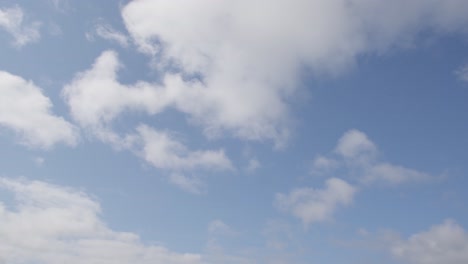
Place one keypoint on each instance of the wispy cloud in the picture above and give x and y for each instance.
(12, 21)
(462, 73)
(107, 32)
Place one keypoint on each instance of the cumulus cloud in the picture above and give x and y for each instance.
(317, 205)
(162, 151)
(445, 243)
(107, 32)
(25, 110)
(358, 156)
(248, 57)
(12, 21)
(96, 98)
(54, 225)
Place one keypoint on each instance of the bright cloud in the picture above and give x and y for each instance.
(317, 205)
(250, 57)
(358, 155)
(162, 151)
(444, 243)
(96, 98)
(54, 225)
(12, 21)
(26, 111)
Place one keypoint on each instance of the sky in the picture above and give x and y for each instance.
(217, 131)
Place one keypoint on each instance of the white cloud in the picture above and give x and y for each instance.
(355, 145)
(12, 21)
(462, 73)
(96, 99)
(25, 110)
(358, 156)
(107, 32)
(317, 205)
(250, 57)
(54, 225)
(159, 149)
(445, 243)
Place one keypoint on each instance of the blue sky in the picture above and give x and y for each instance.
(302, 131)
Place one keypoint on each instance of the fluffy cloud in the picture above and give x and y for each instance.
(96, 99)
(54, 225)
(358, 155)
(25, 110)
(12, 21)
(248, 57)
(444, 243)
(163, 152)
(317, 205)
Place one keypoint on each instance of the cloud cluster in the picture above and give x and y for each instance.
(317, 205)
(358, 156)
(49, 224)
(25, 110)
(12, 21)
(444, 243)
(247, 57)
(96, 98)
(358, 161)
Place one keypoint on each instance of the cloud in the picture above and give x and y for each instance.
(163, 152)
(317, 205)
(219, 228)
(358, 157)
(355, 145)
(107, 32)
(96, 99)
(248, 59)
(25, 110)
(462, 73)
(12, 21)
(67, 228)
(445, 243)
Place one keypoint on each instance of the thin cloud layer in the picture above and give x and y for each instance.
(358, 157)
(12, 21)
(317, 205)
(444, 243)
(50, 224)
(248, 57)
(26, 111)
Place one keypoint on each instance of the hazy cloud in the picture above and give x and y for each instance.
(12, 21)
